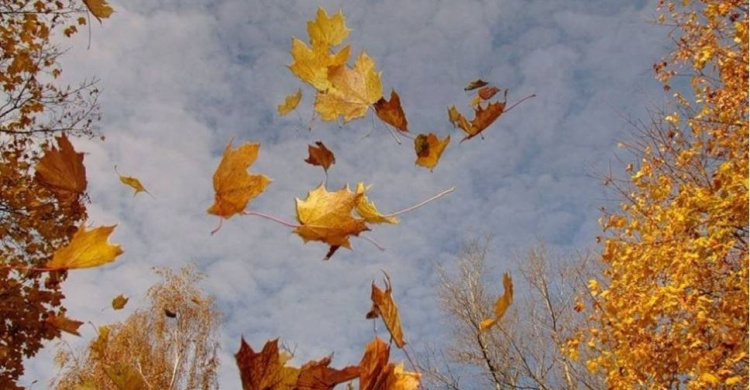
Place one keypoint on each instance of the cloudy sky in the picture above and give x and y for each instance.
(180, 78)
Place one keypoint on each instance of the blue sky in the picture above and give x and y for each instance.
(180, 78)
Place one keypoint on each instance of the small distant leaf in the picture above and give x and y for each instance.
(391, 112)
(475, 101)
(290, 103)
(99, 8)
(119, 302)
(502, 304)
(132, 182)
(320, 155)
(233, 185)
(170, 313)
(64, 324)
(474, 84)
(429, 148)
(86, 249)
(488, 92)
(385, 307)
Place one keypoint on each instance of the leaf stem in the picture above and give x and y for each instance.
(521, 101)
(418, 205)
(272, 218)
(373, 242)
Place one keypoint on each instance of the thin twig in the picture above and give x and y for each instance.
(406, 210)
(272, 218)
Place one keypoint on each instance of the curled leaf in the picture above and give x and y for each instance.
(119, 302)
(99, 8)
(320, 155)
(233, 185)
(367, 209)
(488, 92)
(132, 182)
(290, 103)
(385, 307)
(474, 84)
(483, 117)
(502, 304)
(86, 249)
(391, 112)
(64, 324)
(429, 148)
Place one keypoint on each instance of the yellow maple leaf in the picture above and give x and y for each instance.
(86, 249)
(327, 217)
(398, 379)
(429, 148)
(311, 64)
(385, 307)
(290, 103)
(133, 183)
(367, 209)
(234, 186)
(352, 91)
(99, 8)
(502, 304)
(325, 31)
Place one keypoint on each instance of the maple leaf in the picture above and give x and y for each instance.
(86, 249)
(119, 302)
(311, 65)
(486, 93)
(264, 370)
(133, 183)
(373, 368)
(327, 217)
(483, 117)
(290, 103)
(234, 186)
(99, 8)
(62, 171)
(325, 31)
(64, 324)
(385, 307)
(320, 155)
(398, 379)
(474, 84)
(391, 112)
(502, 304)
(352, 91)
(318, 376)
(429, 148)
(367, 209)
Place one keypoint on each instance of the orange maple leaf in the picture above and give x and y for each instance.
(398, 379)
(316, 375)
(483, 117)
(62, 171)
(86, 249)
(290, 103)
(385, 307)
(353, 90)
(264, 370)
(486, 93)
(391, 112)
(64, 324)
(429, 148)
(234, 186)
(320, 155)
(327, 217)
(99, 8)
(376, 373)
(502, 304)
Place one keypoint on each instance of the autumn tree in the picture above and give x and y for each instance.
(172, 344)
(526, 347)
(38, 212)
(672, 309)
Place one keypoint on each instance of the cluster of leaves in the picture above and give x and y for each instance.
(673, 309)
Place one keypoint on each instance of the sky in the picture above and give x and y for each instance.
(181, 78)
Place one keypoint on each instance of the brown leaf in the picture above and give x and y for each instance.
(234, 186)
(86, 249)
(391, 112)
(474, 84)
(318, 376)
(64, 324)
(429, 148)
(385, 307)
(264, 370)
(62, 171)
(119, 302)
(502, 304)
(483, 117)
(488, 92)
(374, 367)
(320, 155)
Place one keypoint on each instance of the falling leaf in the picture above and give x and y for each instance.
(502, 304)
(429, 148)
(320, 155)
(264, 370)
(62, 171)
(486, 93)
(367, 209)
(325, 31)
(233, 184)
(391, 112)
(125, 377)
(119, 302)
(454, 116)
(86, 249)
(385, 307)
(316, 375)
(64, 324)
(483, 117)
(290, 103)
(474, 84)
(352, 91)
(99, 8)
(398, 379)
(327, 217)
(132, 182)
(311, 64)
(373, 368)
